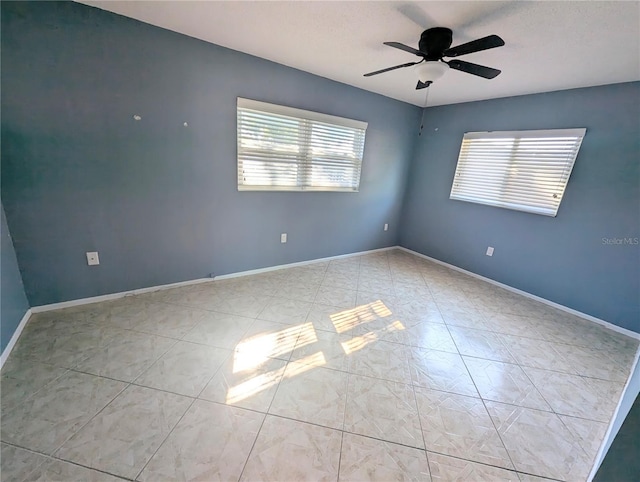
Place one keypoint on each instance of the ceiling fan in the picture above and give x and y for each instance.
(435, 43)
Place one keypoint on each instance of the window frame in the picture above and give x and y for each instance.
(304, 158)
(506, 186)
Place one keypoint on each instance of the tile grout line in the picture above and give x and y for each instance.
(51, 457)
(344, 417)
(391, 269)
(193, 401)
(493, 423)
(266, 413)
(424, 442)
(482, 400)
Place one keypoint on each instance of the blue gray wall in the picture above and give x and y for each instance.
(13, 302)
(562, 259)
(159, 201)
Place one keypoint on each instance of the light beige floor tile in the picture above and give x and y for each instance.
(461, 427)
(242, 383)
(369, 297)
(450, 469)
(344, 267)
(414, 313)
(577, 396)
(375, 284)
(439, 370)
(365, 318)
(434, 336)
(504, 382)
(464, 319)
(185, 369)
(126, 358)
(375, 273)
(17, 464)
(294, 290)
(243, 305)
(219, 329)
(283, 310)
(123, 313)
(312, 394)
(122, 438)
(265, 284)
(324, 317)
(480, 344)
(341, 279)
(371, 357)
(382, 409)
(590, 434)
(172, 321)
(267, 339)
(539, 443)
(510, 324)
(414, 292)
(305, 275)
(291, 450)
(404, 305)
(56, 412)
(367, 459)
(211, 442)
(408, 277)
(67, 346)
(22, 378)
(532, 478)
(535, 353)
(336, 296)
(590, 362)
(323, 348)
(61, 471)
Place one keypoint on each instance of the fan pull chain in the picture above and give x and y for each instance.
(426, 98)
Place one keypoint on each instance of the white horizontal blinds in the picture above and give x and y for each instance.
(280, 148)
(522, 170)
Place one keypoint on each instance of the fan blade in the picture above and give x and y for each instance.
(475, 69)
(404, 47)
(485, 43)
(391, 68)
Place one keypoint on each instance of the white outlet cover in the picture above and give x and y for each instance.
(386, 227)
(489, 251)
(92, 258)
(283, 238)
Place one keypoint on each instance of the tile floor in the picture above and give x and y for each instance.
(379, 367)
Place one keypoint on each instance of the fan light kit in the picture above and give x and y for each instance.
(435, 43)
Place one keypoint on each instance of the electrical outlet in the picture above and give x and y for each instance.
(386, 227)
(283, 238)
(92, 258)
(489, 251)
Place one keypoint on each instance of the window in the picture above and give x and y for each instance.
(521, 170)
(286, 149)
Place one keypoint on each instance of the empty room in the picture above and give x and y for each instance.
(320, 240)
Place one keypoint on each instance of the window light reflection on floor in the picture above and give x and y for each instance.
(358, 342)
(348, 319)
(264, 381)
(254, 351)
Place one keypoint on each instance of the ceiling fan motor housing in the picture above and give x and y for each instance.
(435, 41)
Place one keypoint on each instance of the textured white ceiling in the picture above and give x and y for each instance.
(549, 45)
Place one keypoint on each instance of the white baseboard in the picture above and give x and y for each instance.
(602, 452)
(122, 294)
(115, 296)
(301, 263)
(566, 309)
(14, 337)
